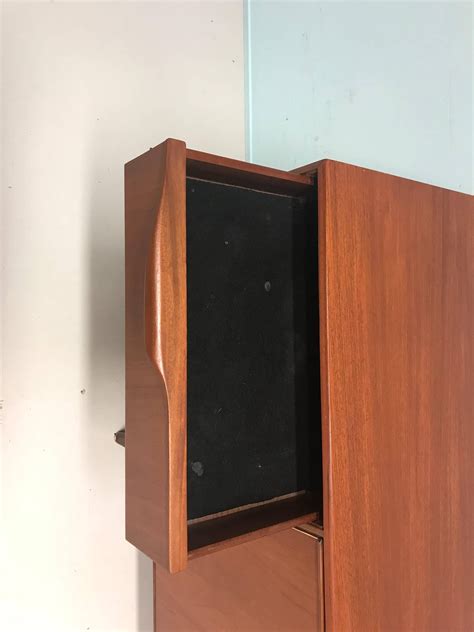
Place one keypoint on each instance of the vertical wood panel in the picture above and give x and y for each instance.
(155, 294)
(397, 336)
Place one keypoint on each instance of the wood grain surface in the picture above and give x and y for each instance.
(397, 337)
(236, 172)
(269, 585)
(155, 294)
(244, 524)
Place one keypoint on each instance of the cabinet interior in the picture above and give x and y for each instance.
(253, 392)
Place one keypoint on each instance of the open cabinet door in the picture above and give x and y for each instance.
(222, 398)
(397, 336)
(155, 348)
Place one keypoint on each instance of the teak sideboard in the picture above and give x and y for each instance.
(299, 436)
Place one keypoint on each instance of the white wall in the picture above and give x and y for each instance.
(86, 87)
(386, 85)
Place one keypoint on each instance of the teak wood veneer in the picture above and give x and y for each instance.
(273, 583)
(395, 355)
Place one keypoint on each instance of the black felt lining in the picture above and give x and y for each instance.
(253, 356)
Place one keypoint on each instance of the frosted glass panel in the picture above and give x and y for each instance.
(383, 85)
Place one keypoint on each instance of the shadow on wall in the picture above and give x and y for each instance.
(104, 242)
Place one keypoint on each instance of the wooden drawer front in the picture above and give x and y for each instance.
(273, 584)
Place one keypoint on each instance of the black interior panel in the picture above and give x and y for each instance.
(253, 359)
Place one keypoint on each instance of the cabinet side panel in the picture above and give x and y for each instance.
(397, 306)
(155, 294)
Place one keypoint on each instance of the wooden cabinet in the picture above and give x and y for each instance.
(300, 347)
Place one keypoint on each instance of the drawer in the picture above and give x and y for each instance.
(222, 354)
(275, 583)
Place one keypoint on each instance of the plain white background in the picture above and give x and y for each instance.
(86, 87)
